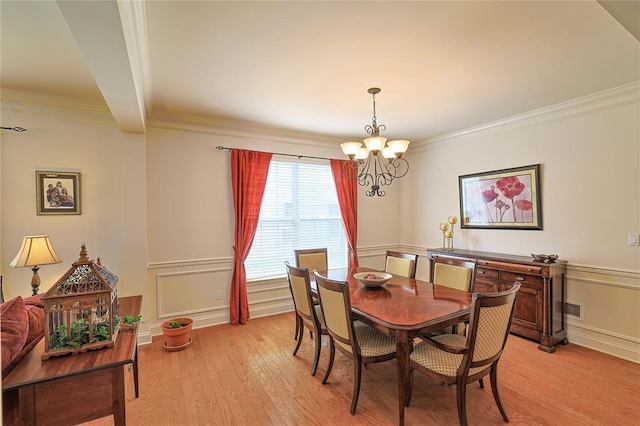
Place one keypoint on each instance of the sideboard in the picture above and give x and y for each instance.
(540, 305)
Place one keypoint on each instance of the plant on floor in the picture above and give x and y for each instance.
(177, 333)
(177, 323)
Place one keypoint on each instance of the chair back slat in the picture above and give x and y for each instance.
(334, 310)
(493, 323)
(312, 259)
(402, 264)
(300, 295)
(402, 267)
(458, 277)
(454, 277)
(300, 287)
(491, 316)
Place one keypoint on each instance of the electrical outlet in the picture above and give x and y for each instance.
(634, 239)
(218, 294)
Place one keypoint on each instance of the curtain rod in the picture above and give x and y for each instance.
(222, 148)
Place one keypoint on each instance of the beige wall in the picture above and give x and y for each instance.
(190, 221)
(589, 151)
(157, 207)
(112, 167)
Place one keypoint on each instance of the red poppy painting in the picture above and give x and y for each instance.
(501, 199)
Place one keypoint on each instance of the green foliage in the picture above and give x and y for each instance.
(100, 332)
(79, 336)
(130, 320)
(177, 323)
(58, 339)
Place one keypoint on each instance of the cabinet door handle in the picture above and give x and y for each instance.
(519, 278)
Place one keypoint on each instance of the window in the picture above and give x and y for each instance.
(300, 210)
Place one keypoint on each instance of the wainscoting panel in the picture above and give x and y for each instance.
(187, 293)
(610, 318)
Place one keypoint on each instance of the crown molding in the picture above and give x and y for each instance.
(622, 95)
(237, 128)
(134, 24)
(40, 104)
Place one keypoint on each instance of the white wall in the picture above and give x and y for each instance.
(589, 151)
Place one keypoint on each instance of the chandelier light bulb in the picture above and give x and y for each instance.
(350, 149)
(388, 153)
(399, 147)
(362, 154)
(375, 144)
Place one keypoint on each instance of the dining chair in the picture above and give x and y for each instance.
(403, 264)
(460, 360)
(357, 340)
(454, 272)
(308, 314)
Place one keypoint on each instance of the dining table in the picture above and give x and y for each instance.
(403, 308)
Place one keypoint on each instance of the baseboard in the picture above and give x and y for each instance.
(605, 342)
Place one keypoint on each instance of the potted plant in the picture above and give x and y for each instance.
(177, 333)
(129, 322)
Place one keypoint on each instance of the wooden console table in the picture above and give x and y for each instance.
(73, 389)
(540, 305)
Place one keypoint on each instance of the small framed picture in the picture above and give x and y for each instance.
(57, 193)
(501, 199)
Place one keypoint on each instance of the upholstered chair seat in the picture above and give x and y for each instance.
(372, 342)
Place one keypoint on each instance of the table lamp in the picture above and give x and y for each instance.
(34, 252)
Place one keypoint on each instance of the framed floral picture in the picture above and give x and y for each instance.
(501, 199)
(57, 193)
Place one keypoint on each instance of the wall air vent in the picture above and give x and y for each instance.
(574, 310)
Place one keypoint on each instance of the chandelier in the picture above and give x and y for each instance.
(378, 162)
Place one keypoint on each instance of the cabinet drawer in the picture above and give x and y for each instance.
(508, 278)
(513, 267)
(486, 274)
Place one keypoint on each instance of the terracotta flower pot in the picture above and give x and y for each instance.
(176, 339)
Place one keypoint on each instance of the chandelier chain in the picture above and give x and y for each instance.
(373, 129)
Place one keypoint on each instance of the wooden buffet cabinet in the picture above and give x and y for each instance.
(540, 305)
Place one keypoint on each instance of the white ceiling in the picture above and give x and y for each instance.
(306, 66)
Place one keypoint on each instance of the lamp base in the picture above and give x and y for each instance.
(35, 281)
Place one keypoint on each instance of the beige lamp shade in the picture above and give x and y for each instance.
(35, 251)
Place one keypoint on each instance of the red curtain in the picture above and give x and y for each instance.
(347, 190)
(249, 170)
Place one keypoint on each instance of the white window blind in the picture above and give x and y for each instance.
(300, 210)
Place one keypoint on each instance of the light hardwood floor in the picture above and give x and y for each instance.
(246, 375)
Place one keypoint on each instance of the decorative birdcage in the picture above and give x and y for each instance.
(81, 309)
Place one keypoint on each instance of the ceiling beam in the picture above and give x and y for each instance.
(109, 36)
(626, 12)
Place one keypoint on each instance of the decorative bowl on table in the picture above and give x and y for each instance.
(552, 257)
(372, 279)
(539, 257)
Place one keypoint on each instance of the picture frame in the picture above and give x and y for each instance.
(501, 199)
(57, 193)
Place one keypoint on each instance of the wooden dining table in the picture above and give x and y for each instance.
(403, 308)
